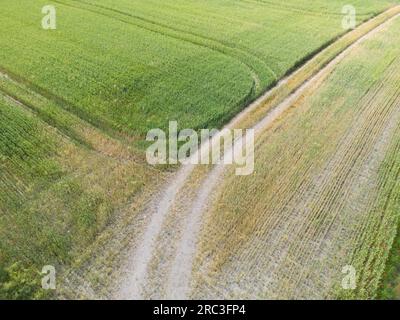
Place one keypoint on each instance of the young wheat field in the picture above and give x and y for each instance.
(77, 192)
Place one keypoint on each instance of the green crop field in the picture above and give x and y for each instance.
(132, 65)
(77, 102)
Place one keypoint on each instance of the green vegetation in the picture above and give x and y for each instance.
(17, 283)
(389, 287)
(76, 103)
(133, 65)
(57, 194)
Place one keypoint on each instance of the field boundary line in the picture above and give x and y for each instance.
(93, 122)
(80, 135)
(63, 103)
(28, 107)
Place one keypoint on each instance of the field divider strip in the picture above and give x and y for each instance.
(93, 122)
(33, 110)
(76, 129)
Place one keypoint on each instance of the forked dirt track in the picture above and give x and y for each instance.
(160, 263)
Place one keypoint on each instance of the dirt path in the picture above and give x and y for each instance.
(151, 271)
